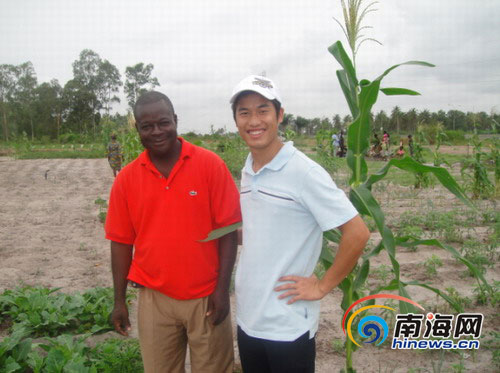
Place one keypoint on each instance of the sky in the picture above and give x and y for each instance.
(201, 49)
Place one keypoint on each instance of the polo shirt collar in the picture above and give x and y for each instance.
(280, 159)
(186, 152)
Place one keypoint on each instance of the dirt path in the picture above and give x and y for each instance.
(50, 236)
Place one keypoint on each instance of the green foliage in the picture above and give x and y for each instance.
(14, 352)
(484, 297)
(116, 355)
(475, 173)
(131, 145)
(47, 312)
(233, 151)
(103, 208)
(455, 295)
(455, 137)
(431, 265)
(361, 96)
(68, 353)
(481, 255)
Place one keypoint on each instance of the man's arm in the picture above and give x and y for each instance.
(121, 257)
(355, 234)
(218, 301)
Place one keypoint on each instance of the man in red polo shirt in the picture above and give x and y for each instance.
(161, 206)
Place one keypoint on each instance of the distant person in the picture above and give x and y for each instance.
(410, 144)
(386, 140)
(342, 148)
(335, 144)
(401, 151)
(287, 201)
(161, 205)
(115, 156)
(376, 147)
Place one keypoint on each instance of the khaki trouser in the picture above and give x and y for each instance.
(166, 326)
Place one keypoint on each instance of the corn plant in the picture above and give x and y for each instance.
(477, 181)
(361, 96)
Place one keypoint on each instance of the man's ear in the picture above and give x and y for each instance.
(175, 119)
(281, 115)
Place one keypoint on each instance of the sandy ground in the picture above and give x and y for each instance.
(50, 236)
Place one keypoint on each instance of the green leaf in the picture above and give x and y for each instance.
(350, 93)
(457, 306)
(362, 275)
(217, 233)
(404, 241)
(338, 51)
(326, 256)
(359, 133)
(403, 306)
(420, 63)
(409, 164)
(332, 235)
(399, 91)
(11, 365)
(362, 198)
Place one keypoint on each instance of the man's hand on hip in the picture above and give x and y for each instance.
(300, 288)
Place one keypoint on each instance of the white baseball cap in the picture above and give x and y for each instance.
(260, 84)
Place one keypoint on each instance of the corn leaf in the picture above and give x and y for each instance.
(399, 91)
(217, 233)
(405, 242)
(409, 164)
(457, 306)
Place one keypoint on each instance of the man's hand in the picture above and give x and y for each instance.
(301, 288)
(120, 320)
(218, 306)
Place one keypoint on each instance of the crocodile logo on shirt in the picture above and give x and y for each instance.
(193, 193)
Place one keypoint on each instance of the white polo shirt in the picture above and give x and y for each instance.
(286, 206)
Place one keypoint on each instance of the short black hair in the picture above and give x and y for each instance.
(152, 97)
(276, 103)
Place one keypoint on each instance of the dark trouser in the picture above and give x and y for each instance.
(264, 356)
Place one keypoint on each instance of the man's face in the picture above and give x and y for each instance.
(157, 127)
(257, 121)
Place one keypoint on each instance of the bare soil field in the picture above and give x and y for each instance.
(50, 236)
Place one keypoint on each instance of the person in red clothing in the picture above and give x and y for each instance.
(162, 205)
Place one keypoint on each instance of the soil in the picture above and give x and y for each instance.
(50, 235)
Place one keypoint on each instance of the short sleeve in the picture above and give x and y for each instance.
(118, 226)
(224, 197)
(327, 203)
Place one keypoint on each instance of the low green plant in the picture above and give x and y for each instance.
(383, 273)
(484, 297)
(47, 312)
(459, 299)
(14, 351)
(103, 208)
(432, 264)
(116, 355)
(337, 345)
(481, 255)
(492, 342)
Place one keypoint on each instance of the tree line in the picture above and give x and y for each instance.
(400, 121)
(49, 109)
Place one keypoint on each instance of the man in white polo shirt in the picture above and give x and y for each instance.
(287, 201)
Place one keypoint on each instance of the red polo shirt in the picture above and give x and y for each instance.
(165, 219)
